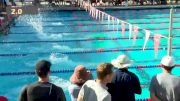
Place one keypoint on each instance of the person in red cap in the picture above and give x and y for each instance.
(2, 98)
(78, 78)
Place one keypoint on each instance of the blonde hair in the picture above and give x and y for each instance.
(103, 70)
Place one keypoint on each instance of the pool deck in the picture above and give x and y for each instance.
(45, 8)
(72, 8)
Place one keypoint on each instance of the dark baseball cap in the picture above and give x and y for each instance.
(43, 67)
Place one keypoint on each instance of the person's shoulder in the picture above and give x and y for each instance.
(154, 80)
(32, 85)
(89, 82)
(74, 86)
(176, 79)
(56, 87)
(24, 88)
(106, 96)
(155, 76)
(131, 74)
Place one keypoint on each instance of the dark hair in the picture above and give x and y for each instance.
(103, 70)
(42, 68)
(168, 68)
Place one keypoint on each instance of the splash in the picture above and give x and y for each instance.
(50, 36)
(36, 23)
(60, 82)
(64, 60)
(61, 47)
(66, 48)
(57, 23)
(58, 58)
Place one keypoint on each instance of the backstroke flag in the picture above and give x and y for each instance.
(112, 18)
(157, 38)
(108, 21)
(123, 27)
(146, 38)
(102, 16)
(117, 24)
(96, 14)
(136, 29)
(130, 31)
(99, 15)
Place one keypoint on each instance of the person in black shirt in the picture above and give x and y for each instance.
(42, 90)
(125, 84)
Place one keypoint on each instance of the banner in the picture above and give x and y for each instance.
(108, 21)
(88, 7)
(130, 31)
(146, 38)
(90, 11)
(123, 27)
(96, 14)
(94, 10)
(157, 38)
(102, 18)
(117, 24)
(99, 15)
(112, 18)
(136, 29)
(85, 6)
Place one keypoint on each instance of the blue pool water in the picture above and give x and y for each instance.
(46, 35)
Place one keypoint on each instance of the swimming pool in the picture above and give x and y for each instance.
(69, 38)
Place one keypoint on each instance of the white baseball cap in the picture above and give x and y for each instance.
(122, 61)
(168, 61)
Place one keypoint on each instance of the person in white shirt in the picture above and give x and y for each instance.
(165, 86)
(96, 90)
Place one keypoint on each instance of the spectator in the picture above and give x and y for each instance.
(125, 83)
(96, 90)
(2, 98)
(42, 90)
(79, 77)
(3, 3)
(36, 2)
(12, 2)
(165, 86)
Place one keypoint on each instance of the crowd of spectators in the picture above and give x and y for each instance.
(110, 85)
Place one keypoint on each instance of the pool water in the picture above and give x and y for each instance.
(65, 39)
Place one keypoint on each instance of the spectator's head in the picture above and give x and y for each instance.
(42, 68)
(105, 72)
(2, 98)
(80, 75)
(122, 61)
(168, 63)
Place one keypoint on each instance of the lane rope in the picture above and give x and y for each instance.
(100, 50)
(74, 40)
(98, 24)
(72, 70)
(89, 31)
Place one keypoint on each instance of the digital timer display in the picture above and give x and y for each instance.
(16, 10)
